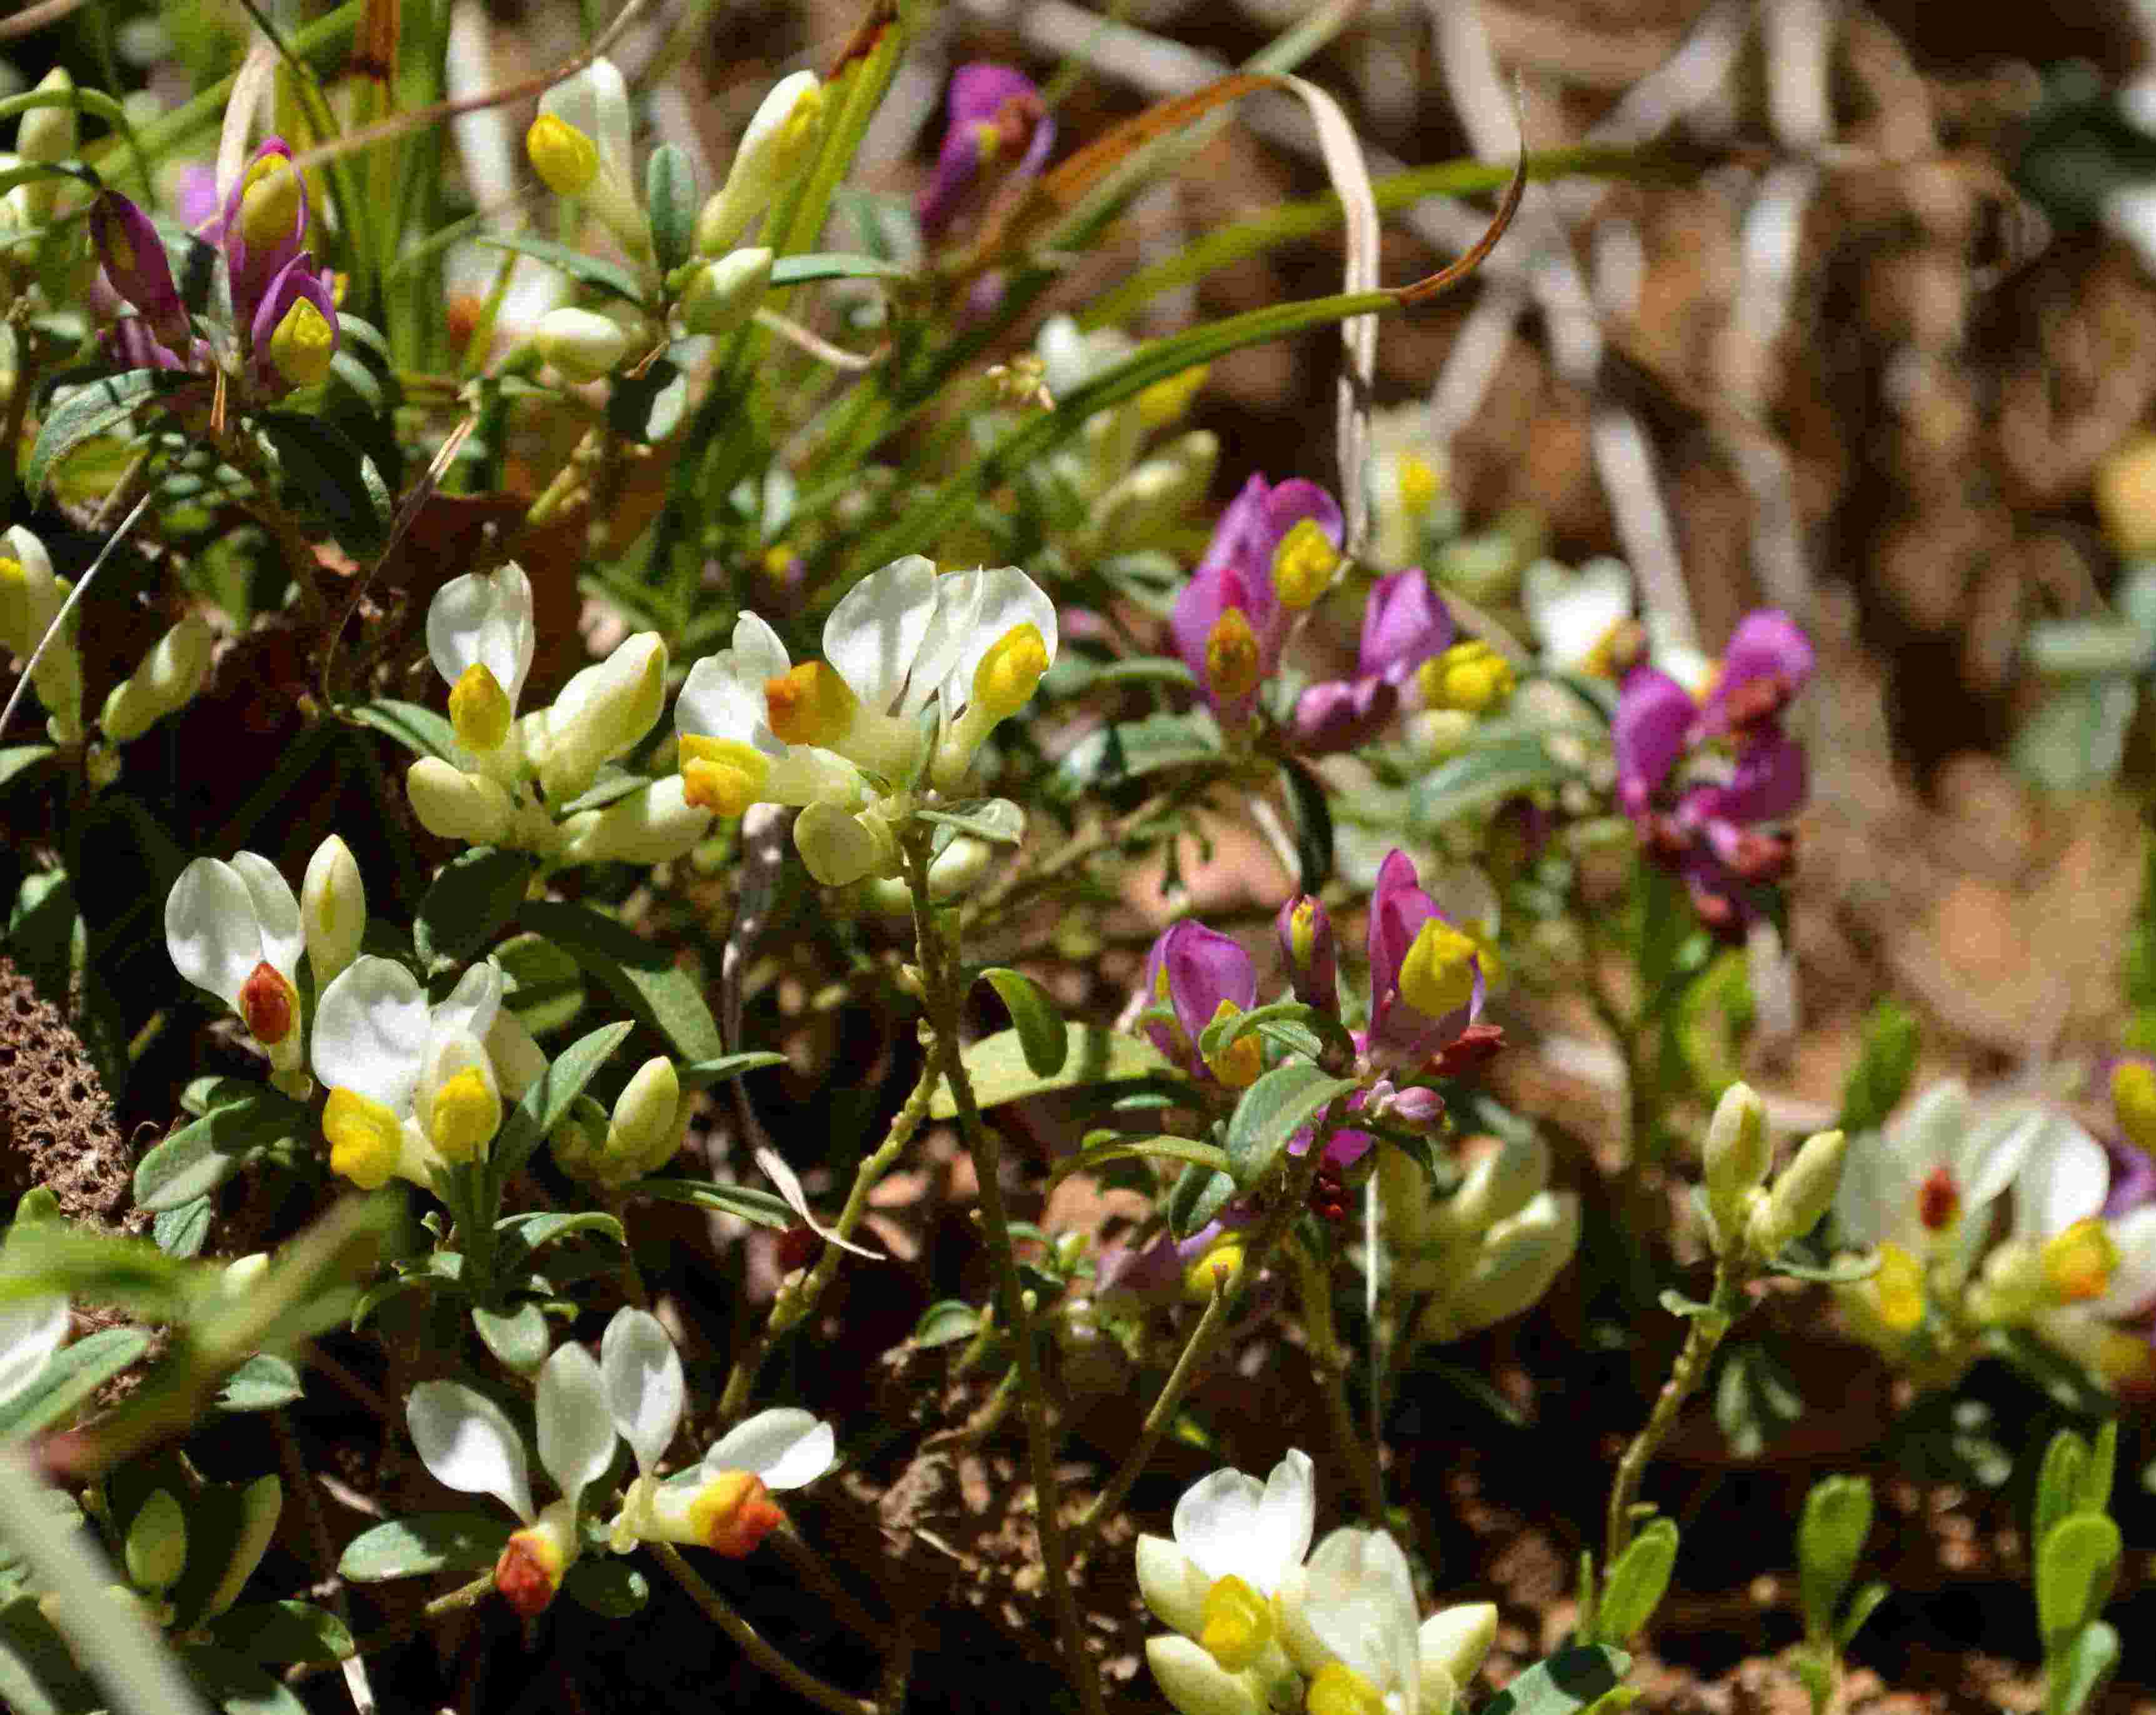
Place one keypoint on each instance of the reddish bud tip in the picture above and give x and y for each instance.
(1939, 1201)
(266, 1003)
(524, 1577)
(798, 1247)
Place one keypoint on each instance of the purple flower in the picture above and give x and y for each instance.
(1403, 625)
(129, 343)
(1160, 1268)
(136, 266)
(263, 224)
(1230, 623)
(999, 131)
(1310, 950)
(194, 195)
(1197, 973)
(1653, 726)
(2132, 1179)
(294, 331)
(1770, 659)
(1425, 978)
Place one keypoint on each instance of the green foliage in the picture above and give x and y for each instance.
(1635, 1584)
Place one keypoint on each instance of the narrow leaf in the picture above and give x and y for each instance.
(1272, 1111)
(1041, 1032)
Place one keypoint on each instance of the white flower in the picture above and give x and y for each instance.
(1236, 1540)
(775, 146)
(1005, 625)
(581, 146)
(31, 1330)
(1353, 1626)
(1410, 475)
(30, 600)
(415, 1090)
(1575, 614)
(468, 1443)
(724, 1503)
(602, 712)
(479, 637)
(333, 904)
(1925, 1178)
(233, 929)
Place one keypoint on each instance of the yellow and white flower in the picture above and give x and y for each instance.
(1353, 1627)
(581, 146)
(234, 930)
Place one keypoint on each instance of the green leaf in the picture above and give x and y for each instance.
(1164, 1147)
(1199, 1193)
(1480, 778)
(1320, 1026)
(200, 1157)
(70, 1376)
(334, 481)
(670, 201)
(830, 264)
(52, 1257)
(1042, 1035)
(100, 407)
(470, 902)
(1132, 749)
(1814, 1672)
(1634, 1585)
(262, 1383)
(182, 1232)
(533, 1232)
(2076, 1564)
(420, 730)
(707, 1072)
(1880, 1078)
(2103, 1467)
(518, 1337)
(997, 820)
(17, 758)
(235, 1684)
(642, 977)
(608, 277)
(2075, 1681)
(751, 1203)
(2059, 1483)
(947, 1323)
(1272, 1111)
(2062, 1380)
(438, 1542)
(612, 1589)
(1756, 1401)
(1075, 674)
(549, 1099)
(997, 1066)
(1313, 824)
(1571, 1679)
(282, 1632)
(648, 406)
(1861, 1606)
(2075, 738)
(1837, 1518)
(1841, 1273)
(545, 987)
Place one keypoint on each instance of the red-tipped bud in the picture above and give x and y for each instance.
(528, 1573)
(1474, 1047)
(268, 1005)
(733, 1513)
(1938, 1200)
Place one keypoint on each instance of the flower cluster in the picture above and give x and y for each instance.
(583, 1409)
(1261, 1622)
(1708, 781)
(917, 670)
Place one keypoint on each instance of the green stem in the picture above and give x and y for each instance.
(465, 1595)
(795, 1678)
(1329, 1359)
(794, 1304)
(939, 982)
(1706, 1333)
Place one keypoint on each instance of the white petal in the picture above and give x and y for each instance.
(957, 604)
(1991, 1148)
(877, 627)
(1455, 1640)
(1216, 1522)
(210, 929)
(644, 1390)
(371, 1032)
(762, 650)
(1008, 599)
(596, 102)
(2133, 1282)
(1189, 1678)
(468, 1444)
(576, 1432)
(276, 911)
(786, 1447)
(1286, 1515)
(519, 1062)
(2064, 1179)
(1572, 612)
(447, 1053)
(472, 1005)
(835, 847)
(1876, 1200)
(1360, 1602)
(31, 1330)
(1934, 1130)
(1171, 1585)
(484, 617)
(723, 698)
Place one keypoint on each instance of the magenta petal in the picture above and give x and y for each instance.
(136, 266)
(1654, 715)
(1314, 970)
(1342, 714)
(1292, 501)
(1241, 527)
(1205, 968)
(1211, 593)
(1403, 625)
(252, 269)
(1768, 641)
(131, 344)
(1768, 784)
(1003, 104)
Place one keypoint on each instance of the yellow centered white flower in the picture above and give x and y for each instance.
(1303, 564)
(270, 201)
(480, 711)
(581, 146)
(774, 148)
(1237, 1623)
(303, 344)
(1232, 665)
(2078, 1263)
(1236, 1544)
(1575, 614)
(234, 930)
(1419, 485)
(481, 638)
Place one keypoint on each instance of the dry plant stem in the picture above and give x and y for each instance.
(795, 1304)
(795, 1678)
(1295, 1195)
(1706, 1333)
(298, 1480)
(939, 982)
(465, 1595)
(1330, 1361)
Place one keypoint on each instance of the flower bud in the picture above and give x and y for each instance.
(651, 825)
(724, 292)
(1141, 506)
(582, 345)
(156, 1548)
(168, 679)
(270, 204)
(243, 1274)
(1304, 564)
(1189, 1678)
(451, 805)
(1312, 956)
(48, 134)
(601, 712)
(1519, 1259)
(1736, 1155)
(776, 145)
(533, 1562)
(1456, 1639)
(303, 343)
(332, 910)
(1500, 1184)
(956, 868)
(578, 1141)
(1802, 1192)
(733, 1513)
(643, 1133)
(836, 847)
(566, 159)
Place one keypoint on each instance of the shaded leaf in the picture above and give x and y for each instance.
(1480, 778)
(470, 902)
(751, 1203)
(262, 1383)
(439, 1542)
(518, 1337)
(282, 1632)
(334, 481)
(1199, 1193)
(1043, 1036)
(601, 276)
(1132, 749)
(707, 1072)
(419, 730)
(611, 1589)
(1568, 1681)
(1837, 1518)
(1272, 1111)
(996, 1067)
(2076, 1564)
(200, 1157)
(70, 1376)
(100, 408)
(947, 1323)
(642, 977)
(1634, 1584)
